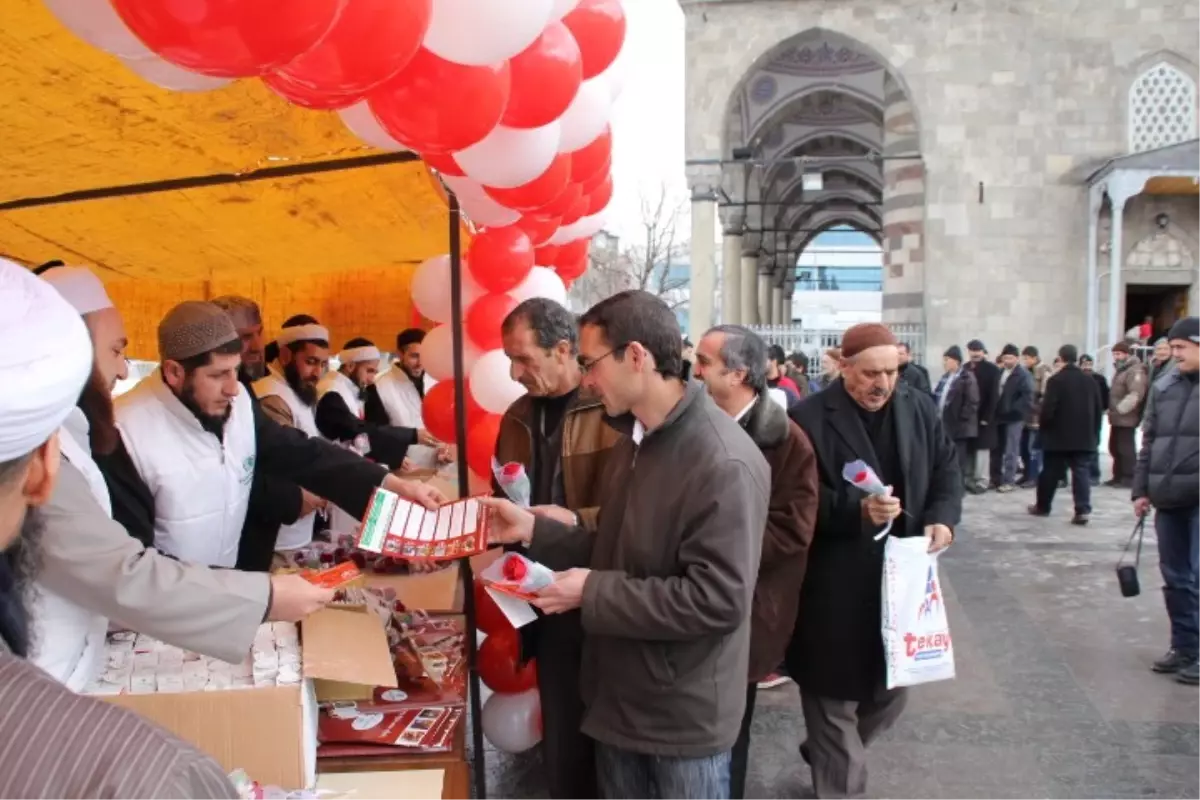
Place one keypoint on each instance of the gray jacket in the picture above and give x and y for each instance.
(674, 559)
(1168, 467)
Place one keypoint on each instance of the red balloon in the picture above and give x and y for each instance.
(572, 259)
(593, 183)
(599, 28)
(488, 616)
(592, 158)
(437, 411)
(371, 41)
(481, 443)
(547, 255)
(500, 258)
(229, 38)
(563, 203)
(437, 106)
(443, 163)
(539, 229)
(577, 211)
(484, 318)
(598, 200)
(540, 191)
(545, 79)
(500, 667)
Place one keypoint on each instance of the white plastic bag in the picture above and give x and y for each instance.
(916, 635)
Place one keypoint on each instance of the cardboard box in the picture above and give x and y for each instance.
(271, 732)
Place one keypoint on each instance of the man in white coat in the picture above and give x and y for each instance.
(396, 396)
(93, 571)
(196, 442)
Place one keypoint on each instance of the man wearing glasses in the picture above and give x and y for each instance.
(664, 583)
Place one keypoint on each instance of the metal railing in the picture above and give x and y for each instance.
(815, 341)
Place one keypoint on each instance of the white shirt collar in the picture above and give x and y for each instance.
(639, 431)
(746, 410)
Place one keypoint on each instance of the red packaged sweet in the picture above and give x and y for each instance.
(514, 568)
(422, 728)
(336, 577)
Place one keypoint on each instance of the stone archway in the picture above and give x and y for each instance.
(817, 102)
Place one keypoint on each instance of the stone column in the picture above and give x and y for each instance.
(703, 181)
(777, 317)
(764, 295)
(903, 218)
(1118, 194)
(749, 290)
(731, 278)
(1095, 200)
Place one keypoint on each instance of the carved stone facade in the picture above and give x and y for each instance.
(959, 134)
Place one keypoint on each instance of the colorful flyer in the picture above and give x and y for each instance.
(397, 528)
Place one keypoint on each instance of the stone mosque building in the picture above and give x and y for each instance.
(985, 144)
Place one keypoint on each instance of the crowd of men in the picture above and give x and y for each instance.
(677, 591)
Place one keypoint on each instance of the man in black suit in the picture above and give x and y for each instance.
(987, 377)
(1070, 425)
(836, 653)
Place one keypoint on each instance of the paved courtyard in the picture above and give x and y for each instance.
(1053, 696)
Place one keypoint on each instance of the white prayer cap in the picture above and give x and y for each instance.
(45, 360)
(355, 355)
(80, 287)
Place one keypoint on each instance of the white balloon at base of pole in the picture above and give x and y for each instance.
(513, 722)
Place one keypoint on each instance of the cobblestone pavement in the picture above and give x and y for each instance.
(1053, 698)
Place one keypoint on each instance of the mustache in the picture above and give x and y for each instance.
(877, 392)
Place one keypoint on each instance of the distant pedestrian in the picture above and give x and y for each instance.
(957, 399)
(1069, 420)
(987, 375)
(1129, 385)
(1031, 444)
(777, 378)
(1016, 397)
(911, 372)
(1088, 365)
(831, 369)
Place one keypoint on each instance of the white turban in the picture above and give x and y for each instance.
(80, 287)
(45, 359)
(355, 355)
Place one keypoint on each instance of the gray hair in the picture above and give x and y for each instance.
(743, 349)
(549, 321)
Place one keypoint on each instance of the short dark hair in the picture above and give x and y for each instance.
(550, 322)
(904, 345)
(799, 359)
(744, 349)
(358, 341)
(298, 345)
(9, 470)
(1068, 353)
(1030, 351)
(637, 316)
(194, 363)
(1087, 358)
(409, 336)
(775, 353)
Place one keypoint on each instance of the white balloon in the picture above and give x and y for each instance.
(617, 73)
(587, 227)
(483, 32)
(437, 353)
(478, 205)
(563, 235)
(541, 282)
(361, 121)
(430, 288)
(97, 23)
(509, 157)
(492, 385)
(587, 116)
(562, 8)
(169, 76)
(513, 722)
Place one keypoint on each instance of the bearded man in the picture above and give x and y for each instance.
(396, 396)
(197, 441)
(247, 319)
(99, 750)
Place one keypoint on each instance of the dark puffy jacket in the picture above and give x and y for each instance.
(1168, 467)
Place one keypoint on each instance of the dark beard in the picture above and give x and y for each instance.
(418, 381)
(307, 392)
(19, 565)
(97, 405)
(214, 424)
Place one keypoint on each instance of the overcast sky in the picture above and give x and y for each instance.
(648, 117)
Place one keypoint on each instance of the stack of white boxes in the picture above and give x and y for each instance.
(138, 664)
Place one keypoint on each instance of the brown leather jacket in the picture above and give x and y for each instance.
(791, 515)
(1129, 387)
(586, 444)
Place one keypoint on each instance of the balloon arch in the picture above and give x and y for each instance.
(508, 101)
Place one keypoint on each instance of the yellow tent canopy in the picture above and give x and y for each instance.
(173, 196)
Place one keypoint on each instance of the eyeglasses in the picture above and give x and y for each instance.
(586, 366)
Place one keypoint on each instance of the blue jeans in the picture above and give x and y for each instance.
(1031, 453)
(625, 774)
(1010, 440)
(1178, 547)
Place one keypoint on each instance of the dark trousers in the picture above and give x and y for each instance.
(963, 448)
(740, 757)
(1178, 551)
(838, 734)
(626, 774)
(1055, 471)
(568, 756)
(1124, 454)
(1031, 453)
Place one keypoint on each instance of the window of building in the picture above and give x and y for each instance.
(840, 279)
(1162, 108)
